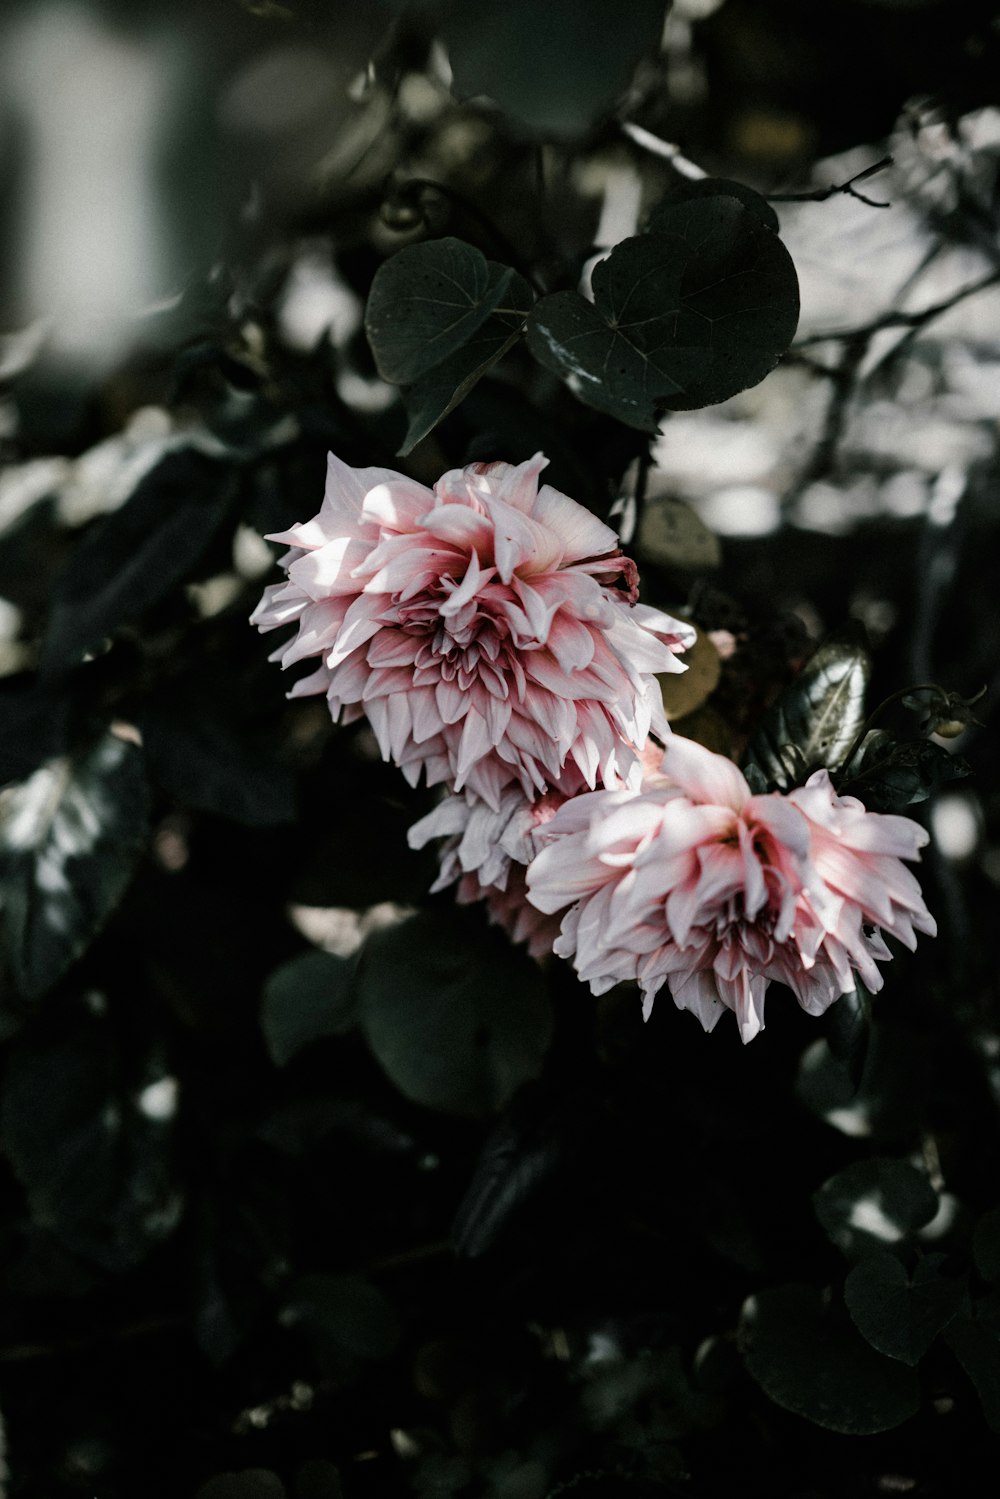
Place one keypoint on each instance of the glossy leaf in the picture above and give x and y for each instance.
(901, 1314)
(310, 997)
(874, 1204)
(137, 555)
(683, 317)
(812, 1362)
(70, 836)
(457, 1023)
(427, 302)
(816, 718)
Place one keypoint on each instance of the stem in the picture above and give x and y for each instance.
(893, 697)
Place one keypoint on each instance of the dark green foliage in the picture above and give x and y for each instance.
(900, 1313)
(810, 1360)
(451, 1031)
(686, 315)
(309, 997)
(570, 70)
(92, 1147)
(889, 774)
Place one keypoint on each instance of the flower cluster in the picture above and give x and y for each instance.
(489, 630)
(693, 882)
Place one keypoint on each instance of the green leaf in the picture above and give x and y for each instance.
(70, 836)
(346, 1318)
(986, 1245)
(715, 187)
(873, 1204)
(815, 719)
(683, 317)
(305, 999)
(136, 556)
(813, 1363)
(554, 67)
(899, 1314)
(429, 399)
(93, 1153)
(458, 1019)
(207, 760)
(890, 774)
(977, 1348)
(427, 302)
(35, 727)
(250, 1483)
(848, 1030)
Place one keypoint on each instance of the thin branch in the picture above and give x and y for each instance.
(821, 194)
(652, 143)
(896, 319)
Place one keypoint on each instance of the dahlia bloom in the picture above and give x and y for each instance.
(487, 628)
(486, 851)
(695, 883)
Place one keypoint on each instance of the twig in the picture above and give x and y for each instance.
(652, 143)
(897, 319)
(820, 194)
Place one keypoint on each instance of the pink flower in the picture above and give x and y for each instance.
(695, 883)
(486, 851)
(487, 627)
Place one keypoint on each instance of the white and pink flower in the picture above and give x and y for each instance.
(694, 882)
(487, 628)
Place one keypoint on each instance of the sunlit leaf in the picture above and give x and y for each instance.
(427, 302)
(458, 1019)
(70, 836)
(816, 718)
(874, 1204)
(810, 1360)
(901, 1314)
(305, 999)
(683, 317)
(136, 556)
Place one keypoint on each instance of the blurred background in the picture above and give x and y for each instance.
(227, 1218)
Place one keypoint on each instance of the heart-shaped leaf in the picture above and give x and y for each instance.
(900, 1314)
(457, 1023)
(429, 399)
(682, 317)
(427, 302)
(810, 1361)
